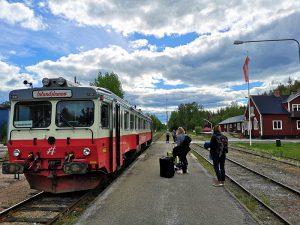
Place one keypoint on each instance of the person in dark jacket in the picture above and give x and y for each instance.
(181, 150)
(218, 150)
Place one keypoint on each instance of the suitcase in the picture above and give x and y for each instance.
(166, 164)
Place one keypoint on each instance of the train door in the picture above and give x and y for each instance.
(115, 137)
(117, 131)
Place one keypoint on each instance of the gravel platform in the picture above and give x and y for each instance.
(141, 196)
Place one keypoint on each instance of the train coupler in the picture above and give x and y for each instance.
(75, 167)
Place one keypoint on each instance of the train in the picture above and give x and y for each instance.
(66, 137)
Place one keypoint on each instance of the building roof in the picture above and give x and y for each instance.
(291, 97)
(235, 119)
(270, 104)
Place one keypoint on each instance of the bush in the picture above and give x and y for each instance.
(198, 130)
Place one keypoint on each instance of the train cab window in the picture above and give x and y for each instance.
(74, 113)
(105, 115)
(131, 122)
(126, 120)
(32, 114)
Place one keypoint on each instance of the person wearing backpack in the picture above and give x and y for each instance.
(218, 150)
(183, 147)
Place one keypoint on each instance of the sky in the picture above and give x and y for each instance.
(165, 52)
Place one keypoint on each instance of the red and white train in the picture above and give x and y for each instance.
(65, 137)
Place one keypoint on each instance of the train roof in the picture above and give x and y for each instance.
(68, 90)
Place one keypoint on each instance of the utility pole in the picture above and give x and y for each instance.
(167, 112)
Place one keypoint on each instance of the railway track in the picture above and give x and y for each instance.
(46, 208)
(280, 199)
(42, 208)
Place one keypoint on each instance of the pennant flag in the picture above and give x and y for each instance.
(245, 68)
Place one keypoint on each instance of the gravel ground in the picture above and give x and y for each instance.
(279, 171)
(13, 190)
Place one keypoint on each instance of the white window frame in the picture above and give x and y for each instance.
(298, 124)
(296, 106)
(279, 122)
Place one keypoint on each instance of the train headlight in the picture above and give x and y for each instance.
(86, 151)
(46, 81)
(61, 81)
(16, 152)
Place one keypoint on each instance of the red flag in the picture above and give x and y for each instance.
(245, 68)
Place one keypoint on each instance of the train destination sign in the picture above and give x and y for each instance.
(52, 94)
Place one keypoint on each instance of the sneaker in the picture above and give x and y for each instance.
(179, 171)
(218, 184)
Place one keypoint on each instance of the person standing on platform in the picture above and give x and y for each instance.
(181, 149)
(167, 136)
(218, 150)
(174, 135)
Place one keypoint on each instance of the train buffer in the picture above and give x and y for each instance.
(141, 196)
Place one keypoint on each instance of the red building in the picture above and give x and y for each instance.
(274, 116)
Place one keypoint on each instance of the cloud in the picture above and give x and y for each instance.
(167, 17)
(139, 43)
(18, 13)
(12, 78)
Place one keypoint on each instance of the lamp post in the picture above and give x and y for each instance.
(285, 39)
(238, 42)
(209, 123)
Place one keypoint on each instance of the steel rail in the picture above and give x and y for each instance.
(284, 220)
(260, 174)
(6, 211)
(267, 157)
(266, 177)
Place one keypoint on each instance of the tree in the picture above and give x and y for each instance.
(109, 81)
(157, 125)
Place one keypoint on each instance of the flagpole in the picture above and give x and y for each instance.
(249, 107)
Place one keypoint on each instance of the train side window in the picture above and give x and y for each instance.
(131, 121)
(126, 120)
(121, 119)
(136, 122)
(140, 123)
(105, 115)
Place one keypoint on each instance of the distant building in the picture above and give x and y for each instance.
(206, 129)
(233, 124)
(274, 116)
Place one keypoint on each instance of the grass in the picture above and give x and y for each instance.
(287, 150)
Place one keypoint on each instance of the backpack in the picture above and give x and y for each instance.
(186, 143)
(222, 144)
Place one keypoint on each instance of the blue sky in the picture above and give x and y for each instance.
(163, 51)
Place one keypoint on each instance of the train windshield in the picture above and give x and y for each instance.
(32, 114)
(74, 114)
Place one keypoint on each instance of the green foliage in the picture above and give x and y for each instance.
(192, 116)
(157, 125)
(198, 129)
(286, 89)
(187, 116)
(224, 113)
(109, 81)
(287, 150)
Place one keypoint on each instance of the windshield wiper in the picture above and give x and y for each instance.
(66, 121)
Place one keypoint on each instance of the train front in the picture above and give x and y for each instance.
(51, 137)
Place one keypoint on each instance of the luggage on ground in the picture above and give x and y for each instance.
(166, 164)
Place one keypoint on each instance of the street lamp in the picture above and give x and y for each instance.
(286, 39)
